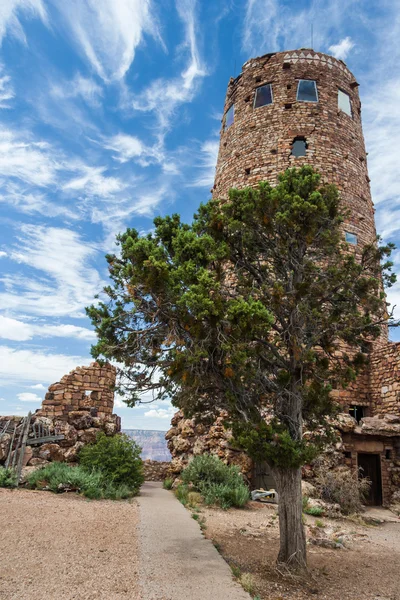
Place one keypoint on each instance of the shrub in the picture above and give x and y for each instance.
(182, 492)
(217, 482)
(117, 458)
(60, 477)
(247, 583)
(343, 487)
(168, 483)
(8, 478)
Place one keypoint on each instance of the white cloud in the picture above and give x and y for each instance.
(10, 11)
(6, 89)
(129, 147)
(91, 181)
(38, 386)
(29, 397)
(61, 281)
(342, 49)
(207, 162)
(78, 87)
(27, 366)
(27, 160)
(108, 32)
(14, 329)
(160, 413)
(163, 96)
(3, 254)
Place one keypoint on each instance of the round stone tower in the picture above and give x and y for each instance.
(293, 108)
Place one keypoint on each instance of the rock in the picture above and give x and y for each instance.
(80, 419)
(308, 490)
(4, 446)
(38, 462)
(180, 444)
(110, 428)
(326, 543)
(329, 510)
(51, 452)
(71, 454)
(345, 422)
(156, 470)
(28, 455)
(386, 425)
(88, 436)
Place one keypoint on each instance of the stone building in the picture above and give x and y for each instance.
(289, 109)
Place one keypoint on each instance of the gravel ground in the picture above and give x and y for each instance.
(368, 568)
(64, 547)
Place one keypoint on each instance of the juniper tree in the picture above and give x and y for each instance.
(254, 309)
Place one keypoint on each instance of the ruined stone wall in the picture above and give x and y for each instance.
(78, 407)
(84, 388)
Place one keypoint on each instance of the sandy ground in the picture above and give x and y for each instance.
(63, 547)
(368, 568)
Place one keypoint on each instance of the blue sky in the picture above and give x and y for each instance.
(109, 115)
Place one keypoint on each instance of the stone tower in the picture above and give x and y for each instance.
(288, 109)
(294, 108)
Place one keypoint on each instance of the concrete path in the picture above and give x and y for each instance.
(176, 561)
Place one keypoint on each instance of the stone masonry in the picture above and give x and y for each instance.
(78, 407)
(257, 146)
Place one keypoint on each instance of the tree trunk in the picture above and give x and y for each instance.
(292, 550)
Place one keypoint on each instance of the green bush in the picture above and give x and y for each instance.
(182, 492)
(117, 458)
(60, 477)
(314, 511)
(168, 483)
(217, 482)
(8, 478)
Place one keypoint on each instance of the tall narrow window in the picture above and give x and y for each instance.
(263, 96)
(351, 238)
(344, 103)
(229, 116)
(299, 147)
(307, 91)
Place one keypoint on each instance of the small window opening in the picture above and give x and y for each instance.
(344, 103)
(263, 96)
(247, 99)
(286, 65)
(347, 454)
(351, 238)
(299, 147)
(229, 116)
(288, 105)
(289, 87)
(258, 79)
(357, 412)
(88, 392)
(247, 171)
(307, 91)
(388, 454)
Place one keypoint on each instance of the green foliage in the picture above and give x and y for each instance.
(59, 477)
(168, 483)
(244, 309)
(8, 478)
(182, 492)
(217, 482)
(319, 523)
(236, 571)
(117, 458)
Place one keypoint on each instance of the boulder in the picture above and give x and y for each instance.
(51, 452)
(345, 422)
(71, 454)
(80, 419)
(308, 490)
(88, 436)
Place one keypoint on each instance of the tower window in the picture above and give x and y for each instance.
(344, 103)
(351, 238)
(263, 96)
(299, 147)
(358, 412)
(307, 91)
(229, 116)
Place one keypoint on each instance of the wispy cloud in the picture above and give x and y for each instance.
(10, 12)
(163, 96)
(206, 165)
(108, 32)
(79, 87)
(62, 280)
(17, 330)
(342, 49)
(6, 89)
(160, 413)
(29, 397)
(38, 366)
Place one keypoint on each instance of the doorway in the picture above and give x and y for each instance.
(370, 466)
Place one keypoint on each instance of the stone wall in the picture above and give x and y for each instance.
(155, 470)
(385, 379)
(78, 407)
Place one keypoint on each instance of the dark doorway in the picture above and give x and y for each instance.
(262, 477)
(370, 466)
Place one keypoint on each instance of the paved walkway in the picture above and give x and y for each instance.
(177, 562)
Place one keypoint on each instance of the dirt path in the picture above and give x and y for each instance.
(67, 548)
(368, 568)
(177, 562)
